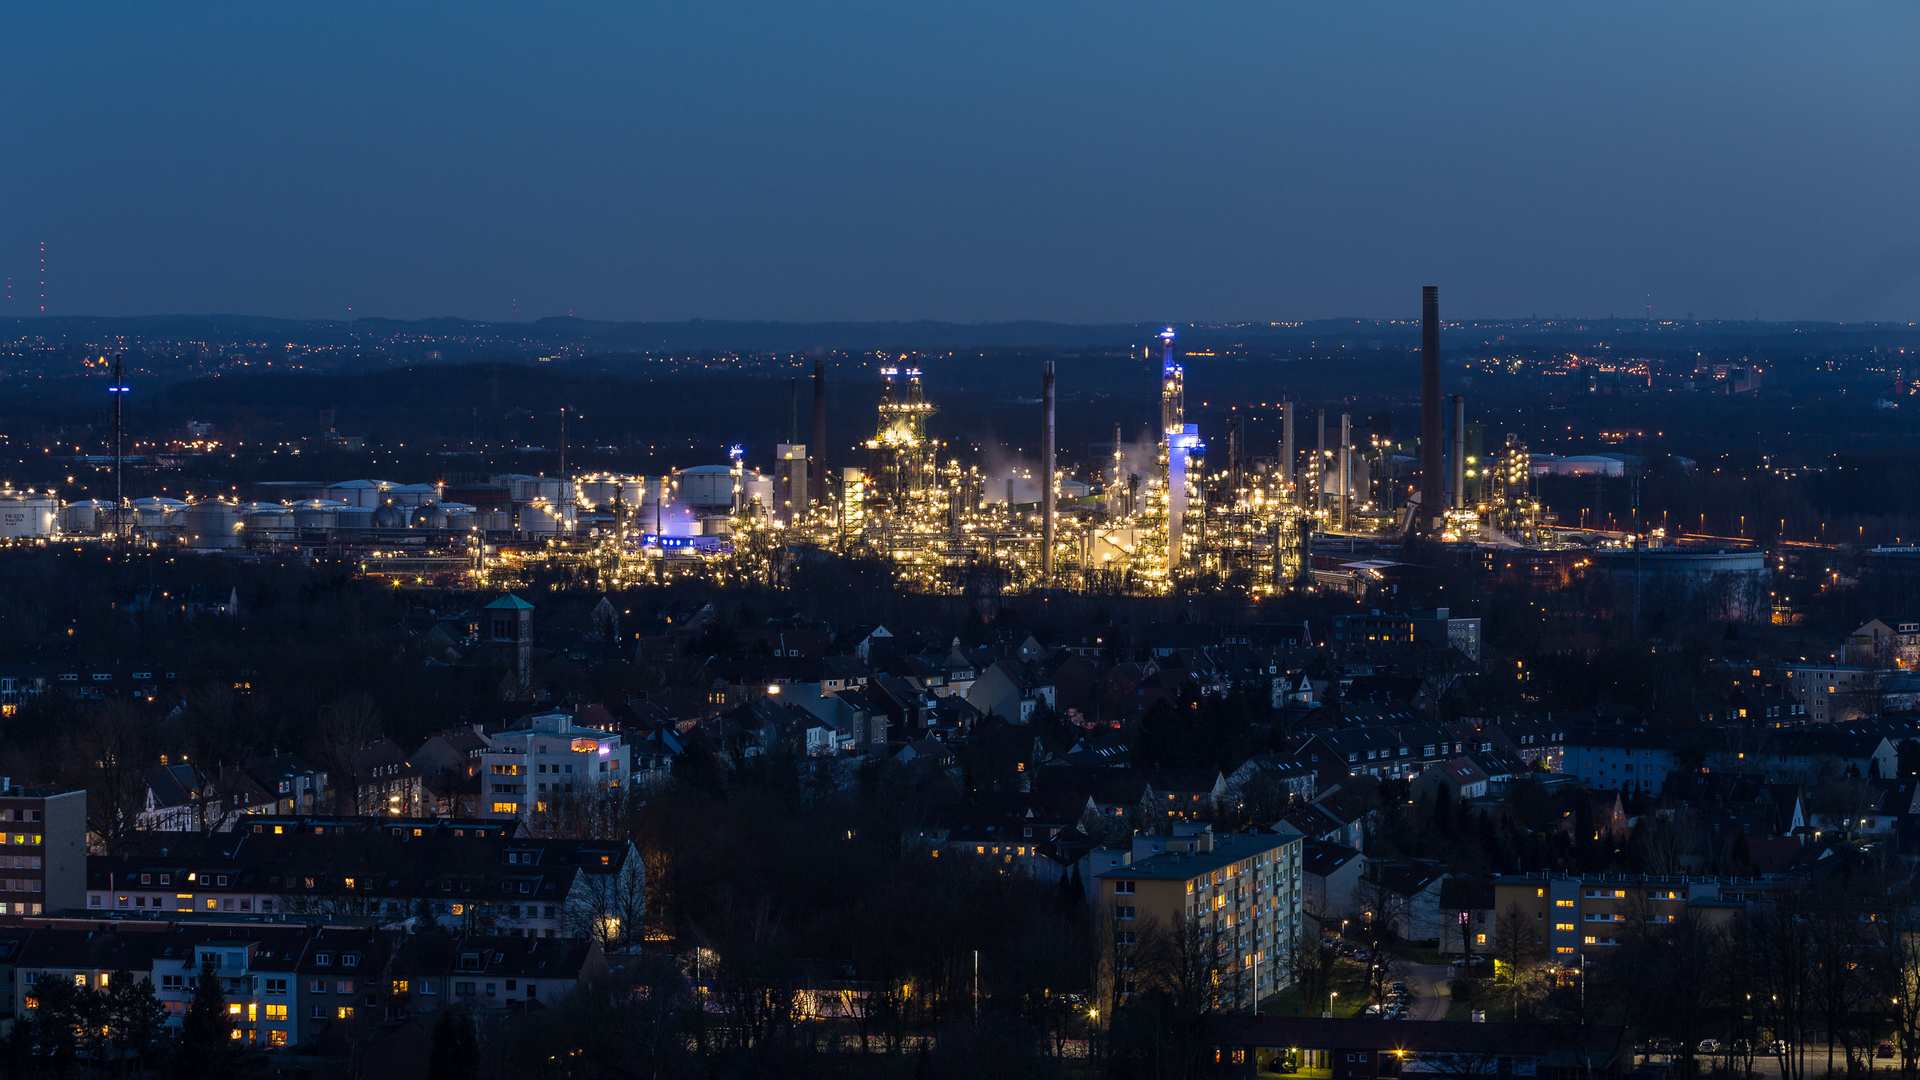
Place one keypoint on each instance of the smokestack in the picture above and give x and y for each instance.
(1346, 466)
(1286, 444)
(1046, 478)
(1459, 452)
(1320, 461)
(819, 446)
(1432, 520)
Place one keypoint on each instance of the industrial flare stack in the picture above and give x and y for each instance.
(1048, 465)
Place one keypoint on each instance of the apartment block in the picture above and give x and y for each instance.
(1236, 895)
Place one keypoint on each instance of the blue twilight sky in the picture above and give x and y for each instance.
(902, 159)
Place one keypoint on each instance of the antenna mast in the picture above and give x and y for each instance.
(119, 391)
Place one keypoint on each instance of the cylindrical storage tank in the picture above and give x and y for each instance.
(413, 494)
(455, 516)
(360, 493)
(601, 490)
(522, 488)
(494, 520)
(716, 525)
(757, 487)
(706, 486)
(25, 516)
(354, 517)
(316, 514)
(154, 512)
(264, 520)
(88, 515)
(212, 525)
(540, 519)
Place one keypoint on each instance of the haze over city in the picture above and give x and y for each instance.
(969, 162)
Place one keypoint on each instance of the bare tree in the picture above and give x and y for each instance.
(1782, 955)
(1310, 968)
(104, 755)
(1383, 915)
(590, 814)
(1898, 976)
(609, 905)
(347, 726)
(1521, 953)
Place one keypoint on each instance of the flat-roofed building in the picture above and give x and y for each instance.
(1236, 897)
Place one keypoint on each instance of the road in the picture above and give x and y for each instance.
(1431, 995)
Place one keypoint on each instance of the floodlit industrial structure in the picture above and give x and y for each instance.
(1155, 517)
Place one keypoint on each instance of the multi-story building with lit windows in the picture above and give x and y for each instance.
(527, 770)
(43, 849)
(1572, 916)
(1234, 898)
(289, 986)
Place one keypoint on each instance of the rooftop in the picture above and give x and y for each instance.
(1228, 848)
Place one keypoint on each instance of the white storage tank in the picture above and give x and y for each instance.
(212, 525)
(705, 487)
(316, 514)
(26, 515)
(545, 519)
(155, 512)
(87, 516)
(265, 519)
(757, 487)
(360, 493)
(414, 494)
(459, 516)
(598, 492)
(392, 516)
(522, 488)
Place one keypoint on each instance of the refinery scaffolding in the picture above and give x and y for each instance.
(1155, 517)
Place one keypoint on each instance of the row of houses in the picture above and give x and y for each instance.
(519, 771)
(478, 876)
(290, 986)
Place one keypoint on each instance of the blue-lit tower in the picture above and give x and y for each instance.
(1179, 446)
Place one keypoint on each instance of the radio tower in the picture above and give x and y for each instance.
(119, 392)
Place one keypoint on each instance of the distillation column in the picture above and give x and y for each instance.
(1046, 479)
(1346, 468)
(1286, 445)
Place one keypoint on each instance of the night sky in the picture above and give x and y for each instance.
(966, 161)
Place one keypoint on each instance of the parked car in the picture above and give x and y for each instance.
(1708, 1046)
(1884, 1050)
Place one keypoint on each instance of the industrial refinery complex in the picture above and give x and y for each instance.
(1335, 504)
